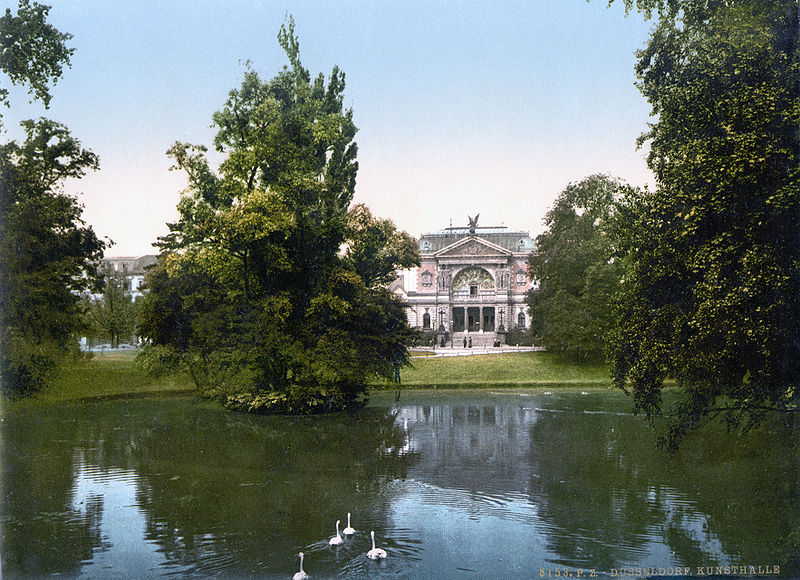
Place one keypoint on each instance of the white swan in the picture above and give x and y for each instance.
(301, 575)
(337, 539)
(375, 553)
(348, 531)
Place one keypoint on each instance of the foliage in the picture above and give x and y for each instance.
(375, 249)
(254, 292)
(574, 271)
(48, 256)
(519, 336)
(112, 316)
(32, 52)
(711, 298)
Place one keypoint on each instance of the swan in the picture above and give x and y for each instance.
(375, 553)
(337, 539)
(348, 531)
(301, 575)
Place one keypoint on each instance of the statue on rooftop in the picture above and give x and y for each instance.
(473, 223)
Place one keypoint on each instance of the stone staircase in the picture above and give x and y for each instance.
(479, 340)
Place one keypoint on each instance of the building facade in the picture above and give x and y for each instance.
(131, 270)
(470, 285)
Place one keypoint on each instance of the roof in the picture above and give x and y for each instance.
(512, 240)
(131, 265)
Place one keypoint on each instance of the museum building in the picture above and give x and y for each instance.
(471, 284)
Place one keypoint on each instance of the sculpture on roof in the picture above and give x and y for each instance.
(473, 223)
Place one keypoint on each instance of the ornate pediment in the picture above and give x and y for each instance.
(472, 246)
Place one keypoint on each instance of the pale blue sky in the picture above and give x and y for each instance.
(462, 107)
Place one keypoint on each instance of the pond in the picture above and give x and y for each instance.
(457, 484)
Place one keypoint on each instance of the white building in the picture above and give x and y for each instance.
(131, 269)
(471, 283)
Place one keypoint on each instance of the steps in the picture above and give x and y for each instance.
(479, 340)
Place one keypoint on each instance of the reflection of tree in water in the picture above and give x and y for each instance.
(238, 492)
(244, 487)
(216, 488)
(723, 493)
(605, 495)
(42, 532)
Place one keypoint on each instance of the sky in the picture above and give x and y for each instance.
(462, 107)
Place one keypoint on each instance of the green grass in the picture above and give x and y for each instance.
(105, 376)
(509, 369)
(116, 375)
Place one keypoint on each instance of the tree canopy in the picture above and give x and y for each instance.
(48, 256)
(270, 286)
(711, 298)
(32, 52)
(574, 269)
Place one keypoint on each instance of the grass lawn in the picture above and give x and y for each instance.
(110, 375)
(509, 369)
(106, 375)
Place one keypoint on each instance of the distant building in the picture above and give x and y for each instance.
(132, 270)
(471, 283)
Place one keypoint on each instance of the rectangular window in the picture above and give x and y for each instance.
(473, 290)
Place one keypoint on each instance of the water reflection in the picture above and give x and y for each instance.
(458, 484)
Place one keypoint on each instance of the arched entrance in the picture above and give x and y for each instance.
(470, 288)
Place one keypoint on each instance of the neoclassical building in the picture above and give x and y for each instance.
(471, 283)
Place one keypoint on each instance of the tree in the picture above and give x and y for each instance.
(375, 249)
(48, 256)
(574, 269)
(113, 315)
(712, 296)
(253, 293)
(32, 52)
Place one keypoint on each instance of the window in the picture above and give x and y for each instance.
(426, 320)
(473, 290)
(521, 320)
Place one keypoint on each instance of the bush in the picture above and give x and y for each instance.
(425, 338)
(519, 337)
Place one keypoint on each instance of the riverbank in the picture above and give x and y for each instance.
(115, 375)
(106, 376)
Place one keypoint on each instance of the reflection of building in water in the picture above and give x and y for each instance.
(573, 473)
(471, 446)
(471, 283)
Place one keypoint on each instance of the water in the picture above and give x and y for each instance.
(501, 484)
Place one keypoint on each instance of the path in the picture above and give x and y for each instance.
(460, 351)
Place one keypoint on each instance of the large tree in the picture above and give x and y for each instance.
(713, 295)
(269, 286)
(48, 256)
(574, 269)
